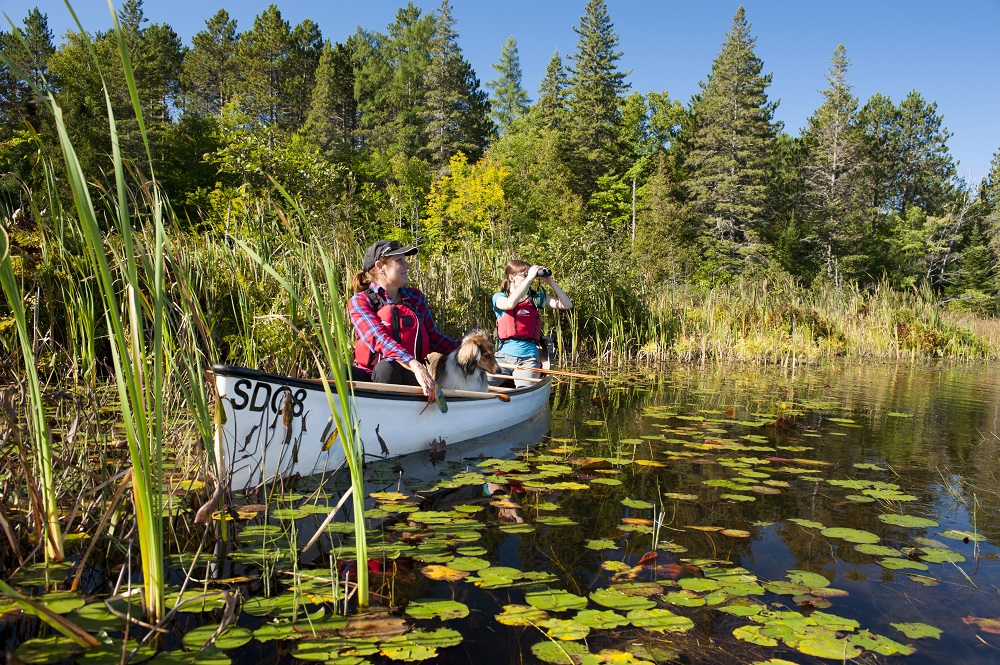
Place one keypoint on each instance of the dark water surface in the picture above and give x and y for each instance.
(732, 476)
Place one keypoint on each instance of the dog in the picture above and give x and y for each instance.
(466, 367)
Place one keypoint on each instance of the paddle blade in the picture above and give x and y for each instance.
(439, 396)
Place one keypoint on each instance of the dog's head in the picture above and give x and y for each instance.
(476, 352)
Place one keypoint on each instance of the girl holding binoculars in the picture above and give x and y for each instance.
(519, 309)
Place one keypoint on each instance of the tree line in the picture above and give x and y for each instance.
(393, 134)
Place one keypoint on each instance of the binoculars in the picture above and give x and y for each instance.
(543, 272)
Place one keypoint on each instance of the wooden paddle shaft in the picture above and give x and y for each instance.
(555, 372)
(417, 390)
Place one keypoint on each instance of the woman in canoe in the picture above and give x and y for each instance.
(394, 326)
(518, 309)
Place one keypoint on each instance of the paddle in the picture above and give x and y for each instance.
(554, 372)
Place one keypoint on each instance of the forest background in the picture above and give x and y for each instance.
(690, 230)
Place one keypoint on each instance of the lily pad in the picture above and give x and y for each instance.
(521, 615)
(617, 600)
(879, 644)
(893, 563)
(850, 535)
(42, 650)
(568, 630)
(942, 556)
(907, 520)
(561, 653)
(877, 550)
(660, 621)
(601, 619)
(231, 638)
(636, 503)
(956, 534)
(443, 573)
(916, 630)
(807, 579)
(555, 600)
(431, 608)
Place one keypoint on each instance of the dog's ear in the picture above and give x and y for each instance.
(468, 357)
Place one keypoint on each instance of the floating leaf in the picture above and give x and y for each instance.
(877, 550)
(917, 630)
(231, 638)
(987, 625)
(880, 644)
(893, 563)
(430, 608)
(827, 646)
(443, 573)
(907, 520)
(698, 584)
(807, 579)
(956, 534)
(561, 653)
(601, 544)
(684, 599)
(555, 600)
(617, 600)
(601, 619)
(659, 621)
(850, 535)
(681, 497)
(468, 563)
(735, 533)
(521, 615)
(565, 629)
(807, 523)
(636, 503)
(753, 635)
(942, 556)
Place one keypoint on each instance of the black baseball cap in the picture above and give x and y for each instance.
(384, 249)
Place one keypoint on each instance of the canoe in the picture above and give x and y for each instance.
(275, 426)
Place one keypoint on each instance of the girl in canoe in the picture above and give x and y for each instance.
(394, 326)
(518, 309)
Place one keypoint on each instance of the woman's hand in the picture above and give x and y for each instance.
(424, 378)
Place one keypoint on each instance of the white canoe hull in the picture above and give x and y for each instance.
(277, 426)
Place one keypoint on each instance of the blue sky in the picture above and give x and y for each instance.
(948, 51)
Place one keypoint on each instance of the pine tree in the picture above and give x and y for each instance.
(926, 169)
(390, 83)
(457, 110)
(729, 157)
(210, 67)
(831, 170)
(32, 56)
(276, 67)
(333, 112)
(552, 108)
(877, 120)
(509, 100)
(596, 90)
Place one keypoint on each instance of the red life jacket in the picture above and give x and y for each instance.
(522, 321)
(406, 329)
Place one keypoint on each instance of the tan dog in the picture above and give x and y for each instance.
(465, 368)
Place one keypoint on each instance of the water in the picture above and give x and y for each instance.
(668, 460)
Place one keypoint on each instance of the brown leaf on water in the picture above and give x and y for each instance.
(374, 623)
(647, 559)
(638, 521)
(592, 463)
(986, 624)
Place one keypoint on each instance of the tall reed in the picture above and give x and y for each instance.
(42, 489)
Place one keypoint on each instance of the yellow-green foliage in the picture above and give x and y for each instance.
(468, 201)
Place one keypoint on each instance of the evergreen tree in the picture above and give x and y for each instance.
(552, 108)
(877, 121)
(276, 68)
(596, 89)
(207, 77)
(333, 112)
(509, 101)
(730, 152)
(989, 201)
(390, 83)
(926, 171)
(457, 110)
(831, 170)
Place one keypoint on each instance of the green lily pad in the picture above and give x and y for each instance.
(917, 630)
(827, 646)
(942, 556)
(616, 600)
(468, 563)
(431, 608)
(698, 584)
(877, 550)
(568, 630)
(907, 520)
(636, 503)
(231, 638)
(660, 621)
(555, 600)
(41, 650)
(601, 544)
(601, 619)
(521, 615)
(561, 653)
(879, 644)
(956, 534)
(807, 523)
(850, 535)
(742, 609)
(687, 599)
(893, 563)
(753, 635)
(807, 579)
